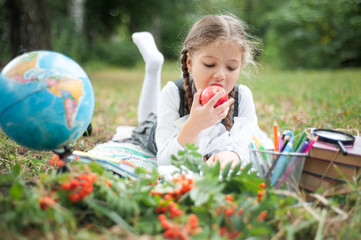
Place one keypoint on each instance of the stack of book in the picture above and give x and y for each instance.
(327, 168)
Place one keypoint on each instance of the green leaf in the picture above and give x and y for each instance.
(216, 169)
(205, 189)
(96, 168)
(226, 170)
(111, 215)
(148, 225)
(236, 170)
(196, 154)
(200, 198)
(16, 190)
(16, 169)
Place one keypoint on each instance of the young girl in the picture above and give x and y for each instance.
(215, 51)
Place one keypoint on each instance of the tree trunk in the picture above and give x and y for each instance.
(76, 9)
(29, 25)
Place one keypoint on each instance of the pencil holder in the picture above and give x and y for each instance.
(278, 169)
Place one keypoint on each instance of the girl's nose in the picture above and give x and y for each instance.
(220, 75)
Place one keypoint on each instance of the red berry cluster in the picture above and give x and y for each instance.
(262, 216)
(170, 207)
(56, 161)
(180, 231)
(229, 209)
(261, 193)
(80, 186)
(186, 184)
(230, 234)
(175, 228)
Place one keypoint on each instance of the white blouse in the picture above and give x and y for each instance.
(211, 140)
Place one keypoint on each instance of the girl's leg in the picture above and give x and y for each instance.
(152, 80)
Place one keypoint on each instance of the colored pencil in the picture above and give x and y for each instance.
(275, 137)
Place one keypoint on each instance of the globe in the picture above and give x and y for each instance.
(46, 100)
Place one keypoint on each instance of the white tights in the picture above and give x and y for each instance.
(152, 80)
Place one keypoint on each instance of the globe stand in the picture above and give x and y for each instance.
(63, 153)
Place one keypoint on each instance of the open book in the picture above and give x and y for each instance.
(120, 158)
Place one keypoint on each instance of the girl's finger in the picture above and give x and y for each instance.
(214, 99)
(196, 97)
(224, 113)
(226, 104)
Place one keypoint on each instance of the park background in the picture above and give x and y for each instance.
(309, 51)
(293, 34)
(308, 75)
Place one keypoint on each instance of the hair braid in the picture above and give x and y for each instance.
(188, 96)
(227, 122)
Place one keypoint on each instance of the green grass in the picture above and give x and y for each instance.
(305, 99)
(297, 100)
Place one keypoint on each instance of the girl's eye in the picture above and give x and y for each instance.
(209, 65)
(231, 68)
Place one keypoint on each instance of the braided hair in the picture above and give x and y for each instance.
(207, 30)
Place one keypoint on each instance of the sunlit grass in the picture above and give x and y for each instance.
(295, 99)
(307, 98)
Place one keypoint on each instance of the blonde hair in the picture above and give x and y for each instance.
(205, 31)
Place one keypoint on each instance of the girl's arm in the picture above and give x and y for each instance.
(168, 124)
(202, 117)
(174, 132)
(241, 132)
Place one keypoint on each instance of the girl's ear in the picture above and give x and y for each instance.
(189, 62)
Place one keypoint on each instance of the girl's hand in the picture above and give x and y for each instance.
(202, 117)
(224, 158)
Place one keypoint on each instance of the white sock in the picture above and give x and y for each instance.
(152, 80)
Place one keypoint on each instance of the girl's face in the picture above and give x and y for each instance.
(218, 63)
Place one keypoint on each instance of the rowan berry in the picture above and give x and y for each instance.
(240, 211)
(166, 224)
(60, 163)
(75, 197)
(65, 186)
(229, 211)
(161, 217)
(193, 220)
(229, 198)
(262, 216)
(45, 202)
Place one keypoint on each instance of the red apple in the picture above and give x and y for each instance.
(210, 91)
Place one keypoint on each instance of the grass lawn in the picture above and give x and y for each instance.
(297, 100)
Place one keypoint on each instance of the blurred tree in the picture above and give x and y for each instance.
(101, 19)
(77, 12)
(4, 40)
(66, 28)
(317, 34)
(174, 19)
(29, 25)
(163, 18)
(305, 33)
(252, 12)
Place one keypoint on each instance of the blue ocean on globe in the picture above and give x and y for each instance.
(47, 100)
